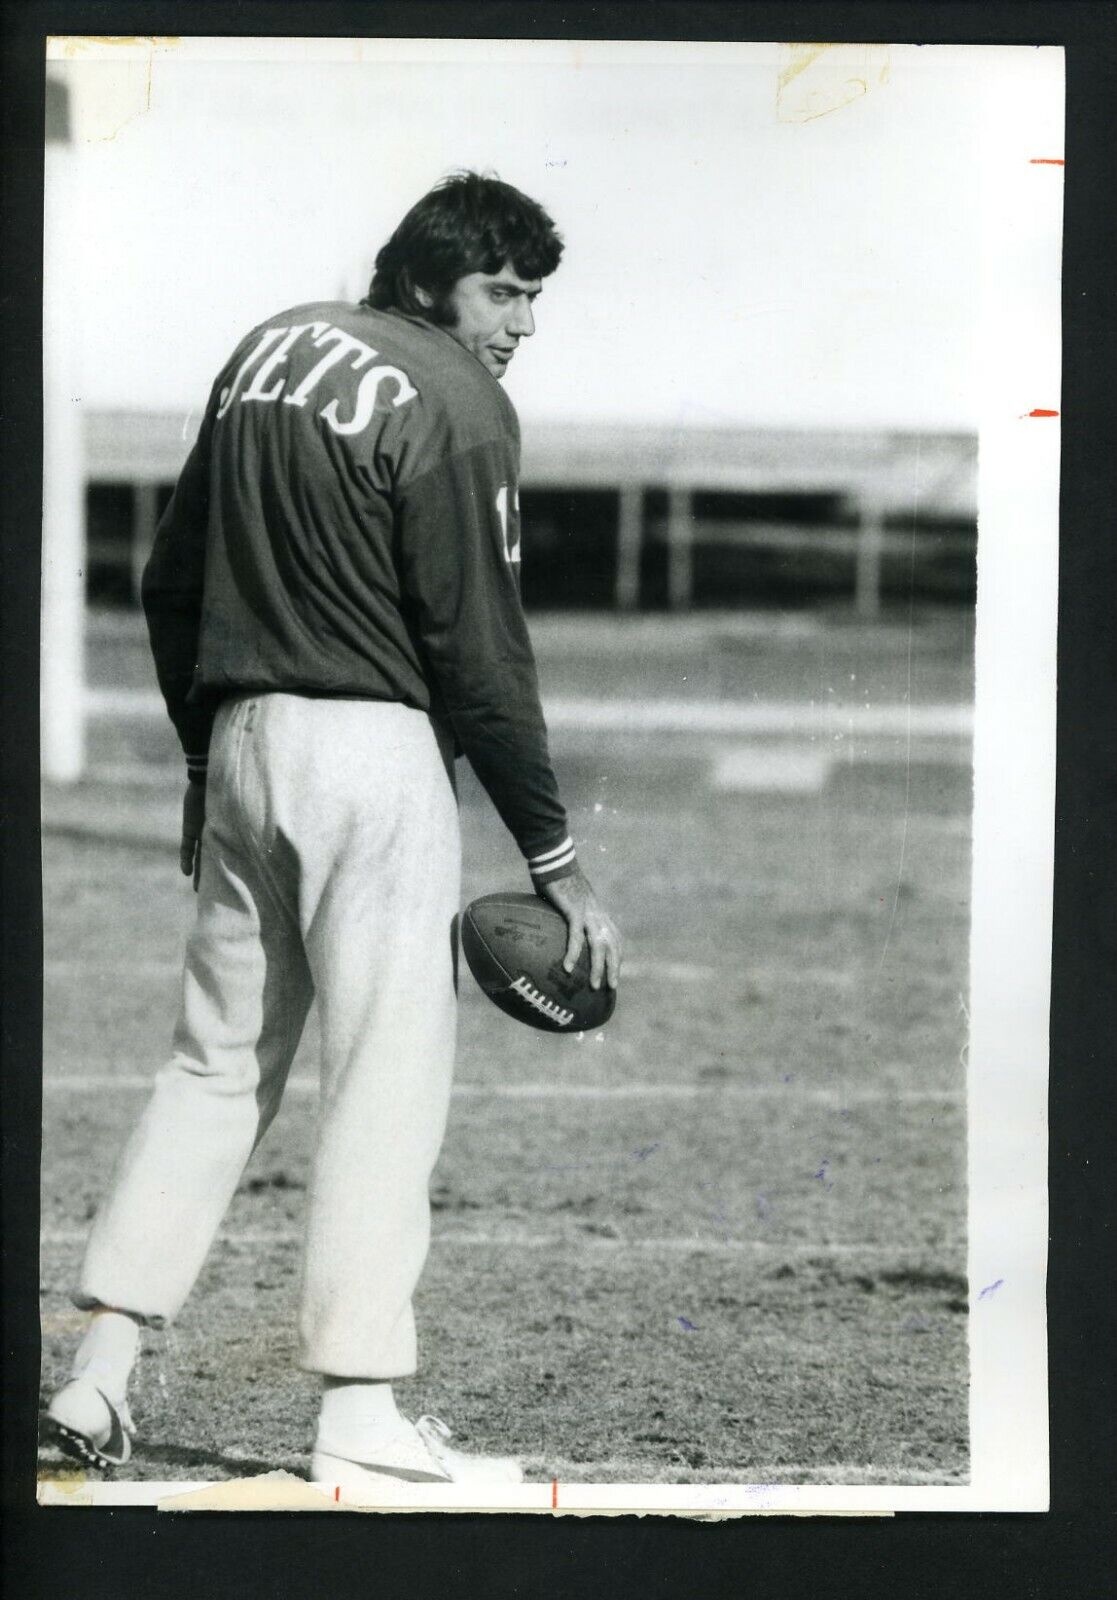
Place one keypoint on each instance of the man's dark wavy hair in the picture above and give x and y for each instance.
(467, 223)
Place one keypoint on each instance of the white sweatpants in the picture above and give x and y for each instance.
(330, 869)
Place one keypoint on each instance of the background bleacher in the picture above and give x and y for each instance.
(643, 518)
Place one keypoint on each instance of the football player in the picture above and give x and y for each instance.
(334, 612)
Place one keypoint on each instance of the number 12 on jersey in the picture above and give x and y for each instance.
(510, 534)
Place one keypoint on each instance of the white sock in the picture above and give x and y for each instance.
(356, 1415)
(107, 1353)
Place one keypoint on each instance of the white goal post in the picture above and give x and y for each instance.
(62, 638)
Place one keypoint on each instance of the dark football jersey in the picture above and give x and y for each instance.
(347, 523)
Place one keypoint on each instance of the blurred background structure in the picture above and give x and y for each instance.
(641, 518)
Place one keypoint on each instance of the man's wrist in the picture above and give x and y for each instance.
(197, 768)
(559, 861)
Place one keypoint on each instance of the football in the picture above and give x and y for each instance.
(514, 944)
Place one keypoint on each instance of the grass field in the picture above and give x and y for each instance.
(722, 1241)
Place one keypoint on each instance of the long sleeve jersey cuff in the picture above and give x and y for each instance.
(549, 865)
(197, 768)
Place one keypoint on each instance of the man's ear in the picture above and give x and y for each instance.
(425, 300)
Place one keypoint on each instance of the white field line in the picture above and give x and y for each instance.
(560, 631)
(635, 970)
(945, 721)
(757, 769)
(138, 774)
(762, 716)
(673, 971)
(99, 1083)
(92, 967)
(671, 1244)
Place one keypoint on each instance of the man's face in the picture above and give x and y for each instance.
(493, 313)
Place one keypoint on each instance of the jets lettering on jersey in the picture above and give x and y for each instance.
(340, 347)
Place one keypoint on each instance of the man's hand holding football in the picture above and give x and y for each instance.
(588, 922)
